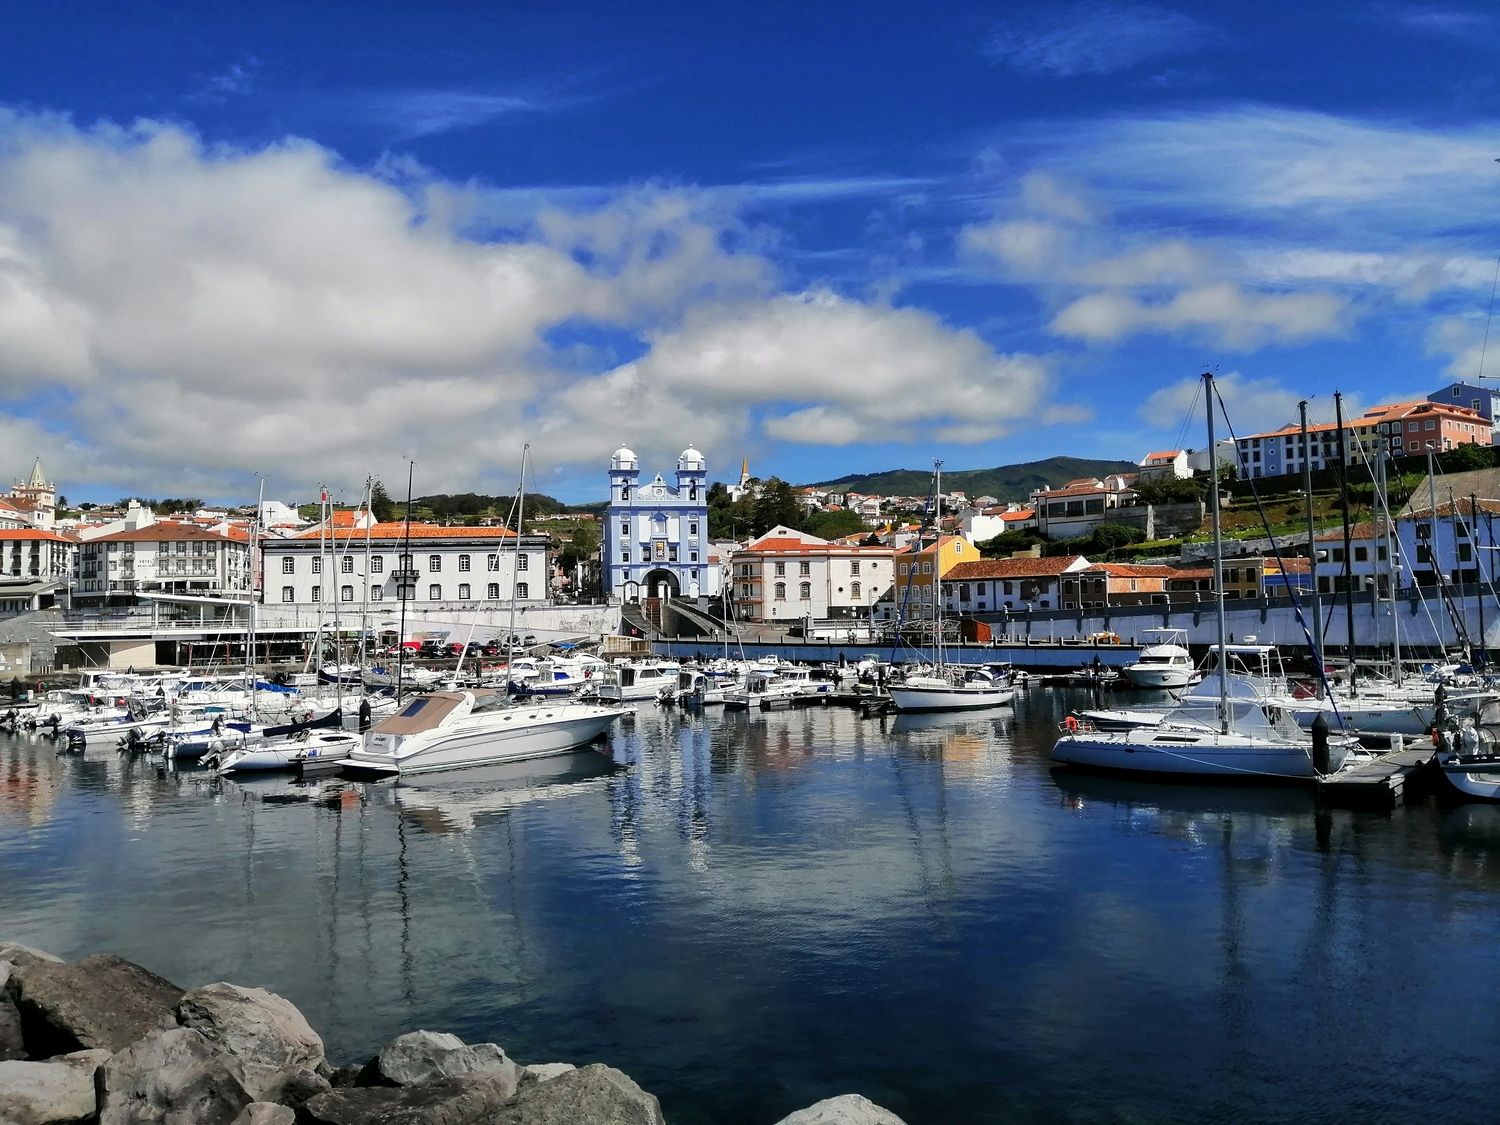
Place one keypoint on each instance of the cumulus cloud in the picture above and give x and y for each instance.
(203, 313)
(1253, 405)
(1237, 319)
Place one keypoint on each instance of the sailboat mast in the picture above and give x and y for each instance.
(254, 593)
(1312, 549)
(406, 573)
(1338, 414)
(1388, 544)
(939, 656)
(1473, 529)
(1213, 507)
(515, 563)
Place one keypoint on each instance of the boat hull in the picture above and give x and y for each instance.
(1190, 755)
(1163, 676)
(949, 698)
(1473, 778)
(536, 732)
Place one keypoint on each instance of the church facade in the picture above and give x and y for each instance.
(655, 542)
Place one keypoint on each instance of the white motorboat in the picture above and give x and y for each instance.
(958, 689)
(455, 729)
(631, 681)
(762, 691)
(269, 756)
(1164, 662)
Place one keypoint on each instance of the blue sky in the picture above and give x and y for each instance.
(310, 241)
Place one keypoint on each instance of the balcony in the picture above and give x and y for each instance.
(406, 574)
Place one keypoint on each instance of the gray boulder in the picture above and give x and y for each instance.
(102, 1001)
(468, 1099)
(847, 1109)
(14, 953)
(597, 1094)
(543, 1072)
(264, 1031)
(290, 1086)
(12, 1038)
(266, 1113)
(421, 1056)
(174, 1077)
(46, 1093)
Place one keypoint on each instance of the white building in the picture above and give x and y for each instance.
(788, 575)
(655, 541)
(1080, 505)
(1165, 463)
(456, 567)
(31, 502)
(163, 558)
(1016, 584)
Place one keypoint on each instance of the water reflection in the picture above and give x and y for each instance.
(748, 912)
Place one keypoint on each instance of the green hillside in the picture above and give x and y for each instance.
(1008, 482)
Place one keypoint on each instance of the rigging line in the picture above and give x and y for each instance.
(1491, 316)
(1291, 590)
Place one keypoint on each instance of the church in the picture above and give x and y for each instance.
(656, 534)
(31, 503)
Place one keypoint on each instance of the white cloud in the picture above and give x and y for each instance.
(210, 312)
(1253, 405)
(1228, 314)
(1094, 38)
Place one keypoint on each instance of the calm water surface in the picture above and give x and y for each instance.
(748, 913)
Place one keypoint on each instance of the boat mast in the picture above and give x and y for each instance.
(1312, 550)
(1388, 544)
(254, 575)
(1213, 506)
(1338, 414)
(937, 566)
(1473, 528)
(515, 565)
(406, 572)
(1432, 558)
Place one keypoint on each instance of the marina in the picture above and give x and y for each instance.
(919, 906)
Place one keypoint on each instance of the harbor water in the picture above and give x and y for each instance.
(749, 912)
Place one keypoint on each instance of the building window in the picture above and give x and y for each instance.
(523, 590)
(346, 593)
(625, 554)
(672, 553)
(780, 569)
(523, 562)
(625, 528)
(854, 567)
(854, 590)
(463, 591)
(377, 564)
(463, 564)
(288, 594)
(806, 591)
(804, 568)
(492, 591)
(692, 556)
(376, 593)
(317, 594)
(317, 564)
(406, 593)
(346, 565)
(781, 591)
(491, 562)
(434, 593)
(288, 565)
(434, 563)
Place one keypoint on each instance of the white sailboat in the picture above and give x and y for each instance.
(945, 688)
(1232, 733)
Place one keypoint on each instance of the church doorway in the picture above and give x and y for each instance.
(661, 583)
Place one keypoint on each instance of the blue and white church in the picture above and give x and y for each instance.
(656, 534)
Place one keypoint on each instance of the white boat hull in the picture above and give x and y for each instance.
(949, 697)
(1202, 754)
(289, 754)
(517, 734)
(1158, 676)
(1475, 778)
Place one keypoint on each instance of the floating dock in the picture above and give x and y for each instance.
(1382, 782)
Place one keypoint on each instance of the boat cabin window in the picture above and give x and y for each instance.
(413, 708)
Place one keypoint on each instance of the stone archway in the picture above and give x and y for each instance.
(660, 583)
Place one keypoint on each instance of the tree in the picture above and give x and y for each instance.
(776, 505)
(834, 525)
(1463, 458)
(1167, 489)
(382, 507)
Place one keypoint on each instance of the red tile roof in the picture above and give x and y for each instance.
(1011, 568)
(33, 533)
(1164, 455)
(162, 533)
(396, 529)
(1131, 570)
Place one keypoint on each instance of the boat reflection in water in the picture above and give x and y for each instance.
(462, 802)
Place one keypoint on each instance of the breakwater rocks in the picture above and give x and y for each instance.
(103, 1041)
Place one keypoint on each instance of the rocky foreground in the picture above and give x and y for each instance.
(103, 1041)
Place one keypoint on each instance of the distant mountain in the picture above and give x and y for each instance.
(1008, 482)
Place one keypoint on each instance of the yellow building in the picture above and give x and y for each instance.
(918, 569)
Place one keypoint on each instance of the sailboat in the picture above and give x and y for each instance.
(947, 688)
(1230, 730)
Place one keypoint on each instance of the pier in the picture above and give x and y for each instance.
(1382, 783)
